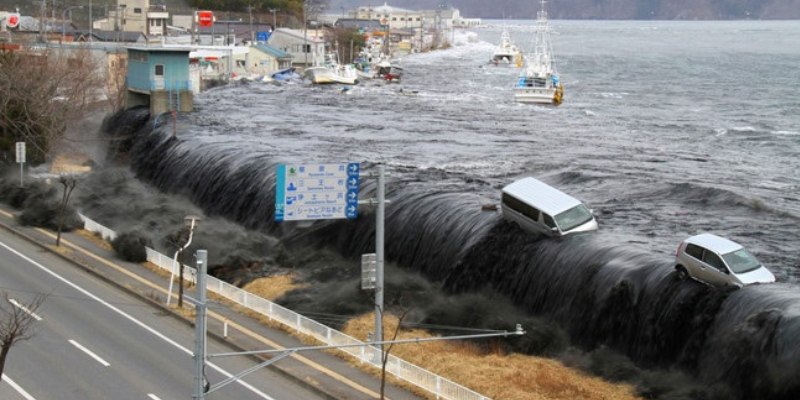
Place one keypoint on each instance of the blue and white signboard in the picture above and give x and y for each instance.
(316, 191)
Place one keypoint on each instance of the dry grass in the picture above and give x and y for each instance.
(94, 238)
(508, 377)
(273, 287)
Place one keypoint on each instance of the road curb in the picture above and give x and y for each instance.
(228, 342)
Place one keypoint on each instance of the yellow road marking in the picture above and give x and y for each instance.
(246, 331)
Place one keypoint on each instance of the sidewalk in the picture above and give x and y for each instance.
(319, 371)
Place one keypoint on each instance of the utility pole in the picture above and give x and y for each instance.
(274, 23)
(252, 33)
(91, 22)
(305, 33)
(200, 327)
(379, 256)
(41, 21)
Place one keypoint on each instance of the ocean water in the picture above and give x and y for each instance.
(668, 129)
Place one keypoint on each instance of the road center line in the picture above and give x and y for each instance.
(134, 320)
(152, 396)
(89, 352)
(23, 308)
(18, 388)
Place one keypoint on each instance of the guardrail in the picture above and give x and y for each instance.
(442, 388)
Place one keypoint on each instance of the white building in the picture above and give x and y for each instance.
(305, 50)
(396, 18)
(135, 16)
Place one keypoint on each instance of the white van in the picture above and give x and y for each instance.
(540, 208)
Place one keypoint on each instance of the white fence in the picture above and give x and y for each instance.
(441, 387)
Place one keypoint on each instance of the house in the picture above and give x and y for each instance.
(396, 18)
(364, 25)
(135, 16)
(112, 36)
(264, 59)
(305, 49)
(159, 77)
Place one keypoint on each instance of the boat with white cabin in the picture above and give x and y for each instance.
(538, 82)
(506, 52)
(332, 72)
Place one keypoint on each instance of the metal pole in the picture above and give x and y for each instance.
(381, 197)
(21, 182)
(90, 20)
(252, 33)
(305, 34)
(200, 326)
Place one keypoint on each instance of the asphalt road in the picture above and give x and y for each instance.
(95, 341)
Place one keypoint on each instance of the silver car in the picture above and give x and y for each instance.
(718, 261)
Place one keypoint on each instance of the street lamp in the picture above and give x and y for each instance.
(64, 20)
(191, 222)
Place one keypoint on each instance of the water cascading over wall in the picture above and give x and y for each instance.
(746, 341)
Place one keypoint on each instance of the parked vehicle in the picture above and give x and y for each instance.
(540, 208)
(719, 262)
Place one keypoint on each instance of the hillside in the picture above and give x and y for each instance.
(609, 9)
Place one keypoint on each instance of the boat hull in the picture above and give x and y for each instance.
(323, 76)
(528, 95)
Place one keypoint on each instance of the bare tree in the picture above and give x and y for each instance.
(16, 323)
(69, 183)
(385, 356)
(42, 93)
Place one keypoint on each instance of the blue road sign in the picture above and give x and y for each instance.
(316, 191)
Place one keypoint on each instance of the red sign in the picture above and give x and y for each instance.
(12, 21)
(205, 19)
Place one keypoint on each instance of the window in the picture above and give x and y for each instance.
(714, 261)
(741, 261)
(137, 10)
(394, 18)
(402, 18)
(694, 251)
(306, 48)
(159, 70)
(548, 220)
(158, 22)
(520, 207)
(575, 216)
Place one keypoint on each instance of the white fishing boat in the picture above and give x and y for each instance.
(332, 72)
(506, 52)
(538, 82)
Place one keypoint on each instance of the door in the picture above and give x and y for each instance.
(715, 269)
(158, 77)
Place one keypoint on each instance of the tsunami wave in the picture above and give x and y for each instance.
(743, 343)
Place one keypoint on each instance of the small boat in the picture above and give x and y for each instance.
(506, 53)
(332, 72)
(538, 82)
(284, 74)
(389, 72)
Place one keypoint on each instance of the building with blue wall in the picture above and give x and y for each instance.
(159, 77)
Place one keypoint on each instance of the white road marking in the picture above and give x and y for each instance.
(23, 308)
(152, 396)
(89, 352)
(134, 320)
(19, 389)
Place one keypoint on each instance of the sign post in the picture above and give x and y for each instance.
(316, 191)
(21, 160)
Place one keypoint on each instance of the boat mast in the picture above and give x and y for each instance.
(542, 48)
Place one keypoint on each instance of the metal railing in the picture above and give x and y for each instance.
(442, 388)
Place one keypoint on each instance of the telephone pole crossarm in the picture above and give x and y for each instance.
(284, 354)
